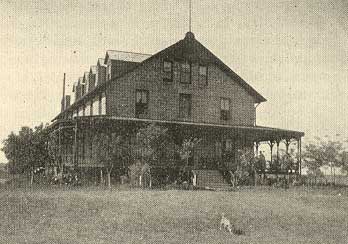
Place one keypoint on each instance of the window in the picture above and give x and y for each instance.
(79, 112)
(96, 106)
(185, 104)
(83, 87)
(186, 73)
(203, 75)
(88, 109)
(109, 72)
(225, 109)
(103, 105)
(228, 145)
(168, 71)
(141, 103)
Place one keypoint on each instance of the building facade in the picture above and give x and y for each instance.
(184, 87)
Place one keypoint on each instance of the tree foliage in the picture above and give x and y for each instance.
(27, 150)
(112, 151)
(324, 153)
(150, 141)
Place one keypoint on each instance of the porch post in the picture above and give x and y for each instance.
(277, 151)
(287, 144)
(75, 147)
(257, 148)
(59, 149)
(271, 144)
(300, 155)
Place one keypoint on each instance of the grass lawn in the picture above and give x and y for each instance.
(135, 216)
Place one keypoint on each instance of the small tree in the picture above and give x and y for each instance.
(243, 166)
(321, 153)
(112, 150)
(187, 148)
(26, 150)
(149, 142)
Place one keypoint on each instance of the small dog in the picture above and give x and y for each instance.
(225, 223)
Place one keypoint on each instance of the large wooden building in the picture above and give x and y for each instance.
(184, 87)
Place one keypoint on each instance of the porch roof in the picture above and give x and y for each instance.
(255, 133)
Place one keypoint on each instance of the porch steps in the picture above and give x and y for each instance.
(211, 179)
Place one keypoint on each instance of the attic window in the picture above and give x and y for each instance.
(186, 73)
(203, 75)
(168, 71)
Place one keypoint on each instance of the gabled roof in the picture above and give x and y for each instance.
(125, 56)
(192, 50)
(86, 76)
(101, 62)
(80, 81)
(93, 69)
(186, 49)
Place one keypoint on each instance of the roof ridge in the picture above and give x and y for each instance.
(121, 51)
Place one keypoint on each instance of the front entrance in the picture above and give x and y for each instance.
(228, 154)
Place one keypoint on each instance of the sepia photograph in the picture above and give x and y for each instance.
(174, 121)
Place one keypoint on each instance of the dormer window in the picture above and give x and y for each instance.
(168, 71)
(203, 75)
(225, 109)
(109, 72)
(186, 73)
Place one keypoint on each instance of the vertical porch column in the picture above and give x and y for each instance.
(257, 144)
(287, 143)
(271, 144)
(299, 155)
(59, 148)
(277, 142)
(75, 147)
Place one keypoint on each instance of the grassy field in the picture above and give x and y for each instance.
(136, 216)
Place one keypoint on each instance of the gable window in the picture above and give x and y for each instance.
(168, 71)
(109, 72)
(203, 75)
(185, 105)
(141, 103)
(225, 109)
(186, 73)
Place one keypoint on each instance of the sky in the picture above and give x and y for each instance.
(295, 53)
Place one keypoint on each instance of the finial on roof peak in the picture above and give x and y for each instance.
(190, 35)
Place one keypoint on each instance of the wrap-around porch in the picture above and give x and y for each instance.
(218, 145)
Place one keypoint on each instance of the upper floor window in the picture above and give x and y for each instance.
(95, 106)
(109, 72)
(102, 104)
(168, 70)
(203, 75)
(88, 109)
(186, 69)
(225, 109)
(185, 106)
(141, 103)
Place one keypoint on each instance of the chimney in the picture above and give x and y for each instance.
(67, 101)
